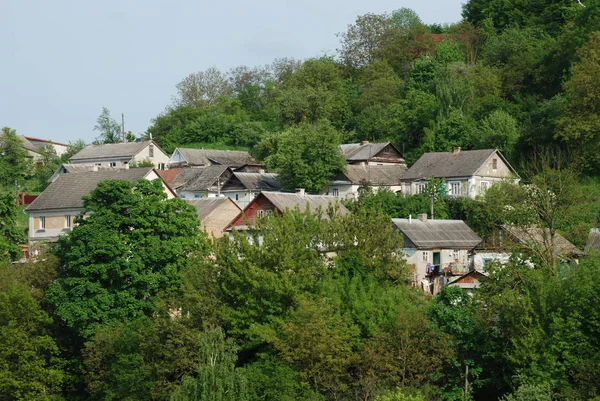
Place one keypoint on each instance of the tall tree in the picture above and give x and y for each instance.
(15, 165)
(202, 89)
(307, 156)
(109, 129)
(125, 254)
(11, 236)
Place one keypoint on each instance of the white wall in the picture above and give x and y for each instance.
(160, 159)
(416, 257)
(481, 259)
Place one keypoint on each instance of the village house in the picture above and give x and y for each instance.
(244, 187)
(469, 281)
(348, 183)
(215, 214)
(499, 245)
(53, 213)
(436, 250)
(32, 151)
(593, 242)
(465, 173)
(120, 155)
(56, 148)
(374, 154)
(197, 182)
(236, 159)
(274, 203)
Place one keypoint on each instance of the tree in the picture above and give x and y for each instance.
(202, 89)
(307, 156)
(11, 236)
(15, 165)
(126, 253)
(217, 377)
(109, 129)
(72, 149)
(30, 365)
(499, 131)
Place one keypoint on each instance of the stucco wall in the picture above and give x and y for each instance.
(415, 257)
(160, 159)
(56, 224)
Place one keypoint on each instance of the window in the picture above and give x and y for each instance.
(237, 196)
(335, 192)
(260, 213)
(161, 166)
(196, 196)
(269, 212)
(484, 186)
(182, 196)
(425, 256)
(151, 150)
(67, 221)
(455, 254)
(43, 222)
(98, 164)
(419, 188)
(455, 188)
(113, 164)
(494, 164)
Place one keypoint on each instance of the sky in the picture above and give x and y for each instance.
(62, 61)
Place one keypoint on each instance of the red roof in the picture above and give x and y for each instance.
(169, 175)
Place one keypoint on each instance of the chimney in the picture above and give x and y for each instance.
(364, 142)
(456, 150)
(409, 218)
(95, 168)
(300, 191)
(422, 217)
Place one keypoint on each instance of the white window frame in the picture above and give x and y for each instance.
(419, 187)
(42, 222)
(456, 254)
(269, 212)
(260, 213)
(67, 221)
(425, 256)
(482, 187)
(112, 164)
(335, 192)
(455, 188)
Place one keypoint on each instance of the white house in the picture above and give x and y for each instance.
(436, 250)
(53, 212)
(347, 184)
(57, 148)
(464, 172)
(244, 187)
(121, 154)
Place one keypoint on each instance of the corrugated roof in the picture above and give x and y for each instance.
(66, 191)
(205, 206)
(127, 149)
(259, 181)
(198, 178)
(283, 201)
(448, 164)
(373, 175)
(593, 241)
(362, 151)
(540, 236)
(207, 157)
(438, 233)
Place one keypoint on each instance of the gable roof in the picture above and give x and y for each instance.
(354, 152)
(438, 233)
(43, 141)
(169, 175)
(76, 168)
(464, 163)
(258, 181)
(593, 241)
(536, 236)
(66, 191)
(374, 175)
(284, 200)
(205, 206)
(108, 150)
(198, 178)
(207, 157)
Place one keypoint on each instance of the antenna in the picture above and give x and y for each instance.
(123, 127)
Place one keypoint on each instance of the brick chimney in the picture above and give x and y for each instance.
(456, 150)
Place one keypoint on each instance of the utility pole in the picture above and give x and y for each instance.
(431, 204)
(123, 126)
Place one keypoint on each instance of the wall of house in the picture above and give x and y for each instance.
(241, 197)
(217, 221)
(160, 158)
(251, 212)
(118, 162)
(421, 258)
(481, 259)
(469, 186)
(56, 224)
(350, 191)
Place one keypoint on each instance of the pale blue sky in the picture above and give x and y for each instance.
(63, 60)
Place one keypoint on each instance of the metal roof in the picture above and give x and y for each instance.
(258, 181)
(108, 150)
(430, 234)
(374, 175)
(205, 206)
(464, 163)
(66, 191)
(207, 157)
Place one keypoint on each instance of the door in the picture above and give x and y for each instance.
(437, 258)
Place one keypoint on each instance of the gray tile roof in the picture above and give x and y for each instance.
(27, 144)
(362, 151)
(66, 191)
(431, 234)
(374, 175)
(258, 181)
(448, 164)
(534, 236)
(593, 241)
(124, 150)
(208, 157)
(198, 178)
(205, 206)
(283, 201)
